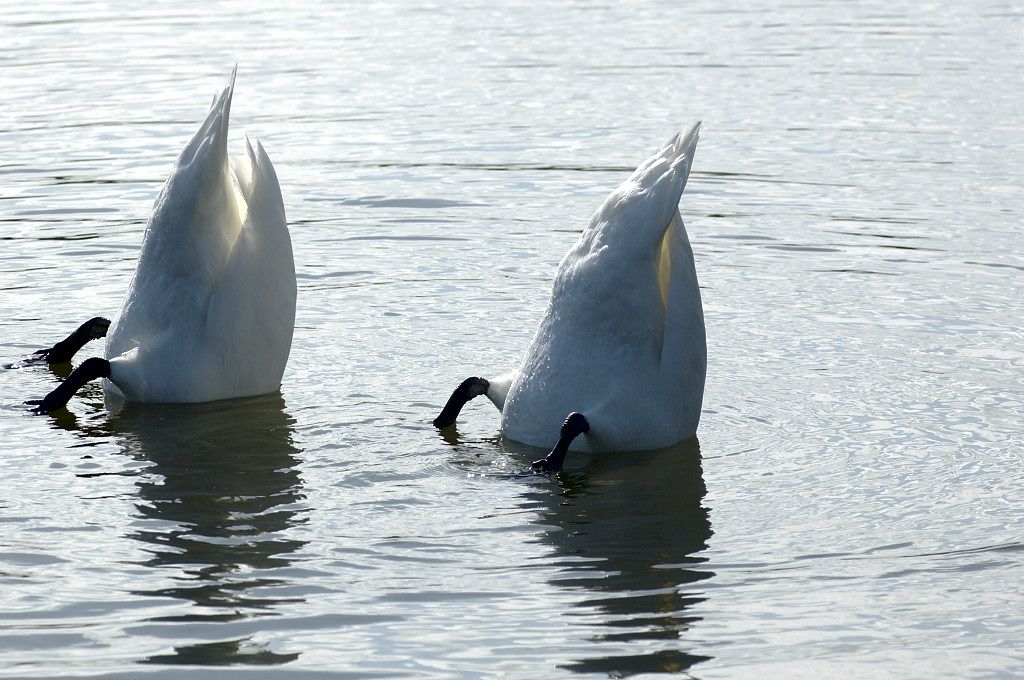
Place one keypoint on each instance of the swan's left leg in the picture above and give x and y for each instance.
(61, 353)
(575, 425)
(468, 389)
(90, 369)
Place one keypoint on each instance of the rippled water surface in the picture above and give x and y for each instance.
(853, 507)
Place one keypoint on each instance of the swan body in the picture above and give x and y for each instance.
(210, 310)
(622, 341)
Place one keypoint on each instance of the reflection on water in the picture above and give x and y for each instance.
(855, 217)
(218, 497)
(628, 529)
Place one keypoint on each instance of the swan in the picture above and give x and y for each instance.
(210, 310)
(621, 348)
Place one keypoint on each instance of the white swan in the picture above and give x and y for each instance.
(621, 347)
(210, 310)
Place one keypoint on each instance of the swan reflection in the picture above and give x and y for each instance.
(629, 528)
(218, 497)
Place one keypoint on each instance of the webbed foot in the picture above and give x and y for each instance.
(470, 388)
(575, 424)
(90, 369)
(61, 353)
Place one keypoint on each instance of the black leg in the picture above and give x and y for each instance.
(573, 426)
(90, 369)
(470, 388)
(63, 351)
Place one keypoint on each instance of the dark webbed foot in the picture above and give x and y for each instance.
(63, 351)
(90, 369)
(575, 424)
(469, 389)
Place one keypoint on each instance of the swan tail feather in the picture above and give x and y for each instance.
(674, 162)
(212, 135)
(637, 214)
(684, 147)
(266, 189)
(195, 222)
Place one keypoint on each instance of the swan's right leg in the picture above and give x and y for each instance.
(63, 351)
(470, 388)
(90, 369)
(575, 425)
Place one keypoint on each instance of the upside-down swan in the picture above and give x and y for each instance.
(621, 348)
(210, 310)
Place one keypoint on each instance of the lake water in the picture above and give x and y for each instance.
(854, 506)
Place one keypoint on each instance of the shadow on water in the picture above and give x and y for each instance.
(628, 529)
(217, 498)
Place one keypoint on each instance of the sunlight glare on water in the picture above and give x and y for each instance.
(852, 507)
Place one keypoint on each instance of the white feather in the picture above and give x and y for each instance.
(622, 340)
(210, 311)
